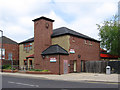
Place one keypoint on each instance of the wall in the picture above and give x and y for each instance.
(63, 41)
(42, 40)
(86, 51)
(23, 54)
(54, 66)
(11, 48)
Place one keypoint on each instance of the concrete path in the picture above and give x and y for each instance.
(77, 77)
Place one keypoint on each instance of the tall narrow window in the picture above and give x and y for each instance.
(85, 41)
(9, 56)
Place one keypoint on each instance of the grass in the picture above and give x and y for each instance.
(39, 70)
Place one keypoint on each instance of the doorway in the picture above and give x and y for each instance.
(82, 65)
(73, 66)
(65, 66)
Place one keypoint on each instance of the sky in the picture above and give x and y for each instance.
(79, 15)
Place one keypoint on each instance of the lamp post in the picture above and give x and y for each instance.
(1, 47)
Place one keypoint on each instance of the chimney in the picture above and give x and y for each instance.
(43, 29)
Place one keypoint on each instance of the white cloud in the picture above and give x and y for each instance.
(17, 15)
(106, 9)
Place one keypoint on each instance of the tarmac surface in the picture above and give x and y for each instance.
(76, 77)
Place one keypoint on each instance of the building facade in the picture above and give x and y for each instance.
(60, 51)
(10, 51)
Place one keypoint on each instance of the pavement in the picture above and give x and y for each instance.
(76, 77)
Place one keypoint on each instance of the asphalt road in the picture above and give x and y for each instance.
(23, 82)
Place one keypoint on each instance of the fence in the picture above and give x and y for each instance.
(100, 66)
(15, 63)
(115, 66)
(95, 66)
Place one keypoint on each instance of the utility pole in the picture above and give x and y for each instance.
(1, 48)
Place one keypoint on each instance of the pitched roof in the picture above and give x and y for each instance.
(43, 18)
(55, 49)
(28, 40)
(64, 31)
(6, 40)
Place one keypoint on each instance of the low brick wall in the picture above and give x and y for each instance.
(10, 71)
(36, 72)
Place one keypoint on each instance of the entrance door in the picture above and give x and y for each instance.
(82, 66)
(65, 66)
(73, 66)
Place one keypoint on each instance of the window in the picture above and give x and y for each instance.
(27, 47)
(9, 56)
(85, 41)
(90, 43)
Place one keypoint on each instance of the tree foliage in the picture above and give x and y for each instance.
(109, 33)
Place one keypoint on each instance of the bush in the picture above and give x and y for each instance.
(7, 67)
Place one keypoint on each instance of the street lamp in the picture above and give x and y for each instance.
(1, 47)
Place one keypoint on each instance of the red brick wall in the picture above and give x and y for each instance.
(54, 66)
(87, 52)
(11, 48)
(42, 40)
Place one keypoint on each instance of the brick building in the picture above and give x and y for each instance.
(60, 51)
(10, 51)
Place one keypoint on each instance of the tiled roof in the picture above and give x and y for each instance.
(6, 40)
(55, 49)
(64, 31)
(43, 18)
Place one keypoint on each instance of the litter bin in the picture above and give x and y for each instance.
(108, 70)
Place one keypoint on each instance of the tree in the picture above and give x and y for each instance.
(109, 33)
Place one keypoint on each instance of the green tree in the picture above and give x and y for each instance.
(109, 33)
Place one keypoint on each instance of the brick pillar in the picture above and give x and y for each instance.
(43, 28)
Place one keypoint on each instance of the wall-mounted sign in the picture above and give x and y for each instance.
(72, 51)
(3, 53)
(52, 59)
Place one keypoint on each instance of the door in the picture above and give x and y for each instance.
(73, 66)
(65, 66)
(82, 66)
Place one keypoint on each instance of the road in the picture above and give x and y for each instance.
(23, 82)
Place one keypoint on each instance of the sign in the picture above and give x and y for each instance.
(52, 59)
(72, 51)
(3, 53)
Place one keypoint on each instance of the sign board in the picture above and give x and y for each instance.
(3, 53)
(72, 51)
(52, 59)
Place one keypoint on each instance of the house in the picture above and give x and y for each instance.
(10, 51)
(60, 51)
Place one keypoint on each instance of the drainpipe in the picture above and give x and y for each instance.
(59, 64)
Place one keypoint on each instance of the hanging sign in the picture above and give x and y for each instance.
(52, 59)
(72, 51)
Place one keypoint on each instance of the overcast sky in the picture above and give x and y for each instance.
(80, 15)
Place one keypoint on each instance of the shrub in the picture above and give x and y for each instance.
(6, 66)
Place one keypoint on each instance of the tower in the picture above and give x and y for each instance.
(43, 28)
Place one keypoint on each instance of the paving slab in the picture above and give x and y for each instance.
(77, 77)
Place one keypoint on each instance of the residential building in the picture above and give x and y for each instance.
(60, 51)
(10, 51)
